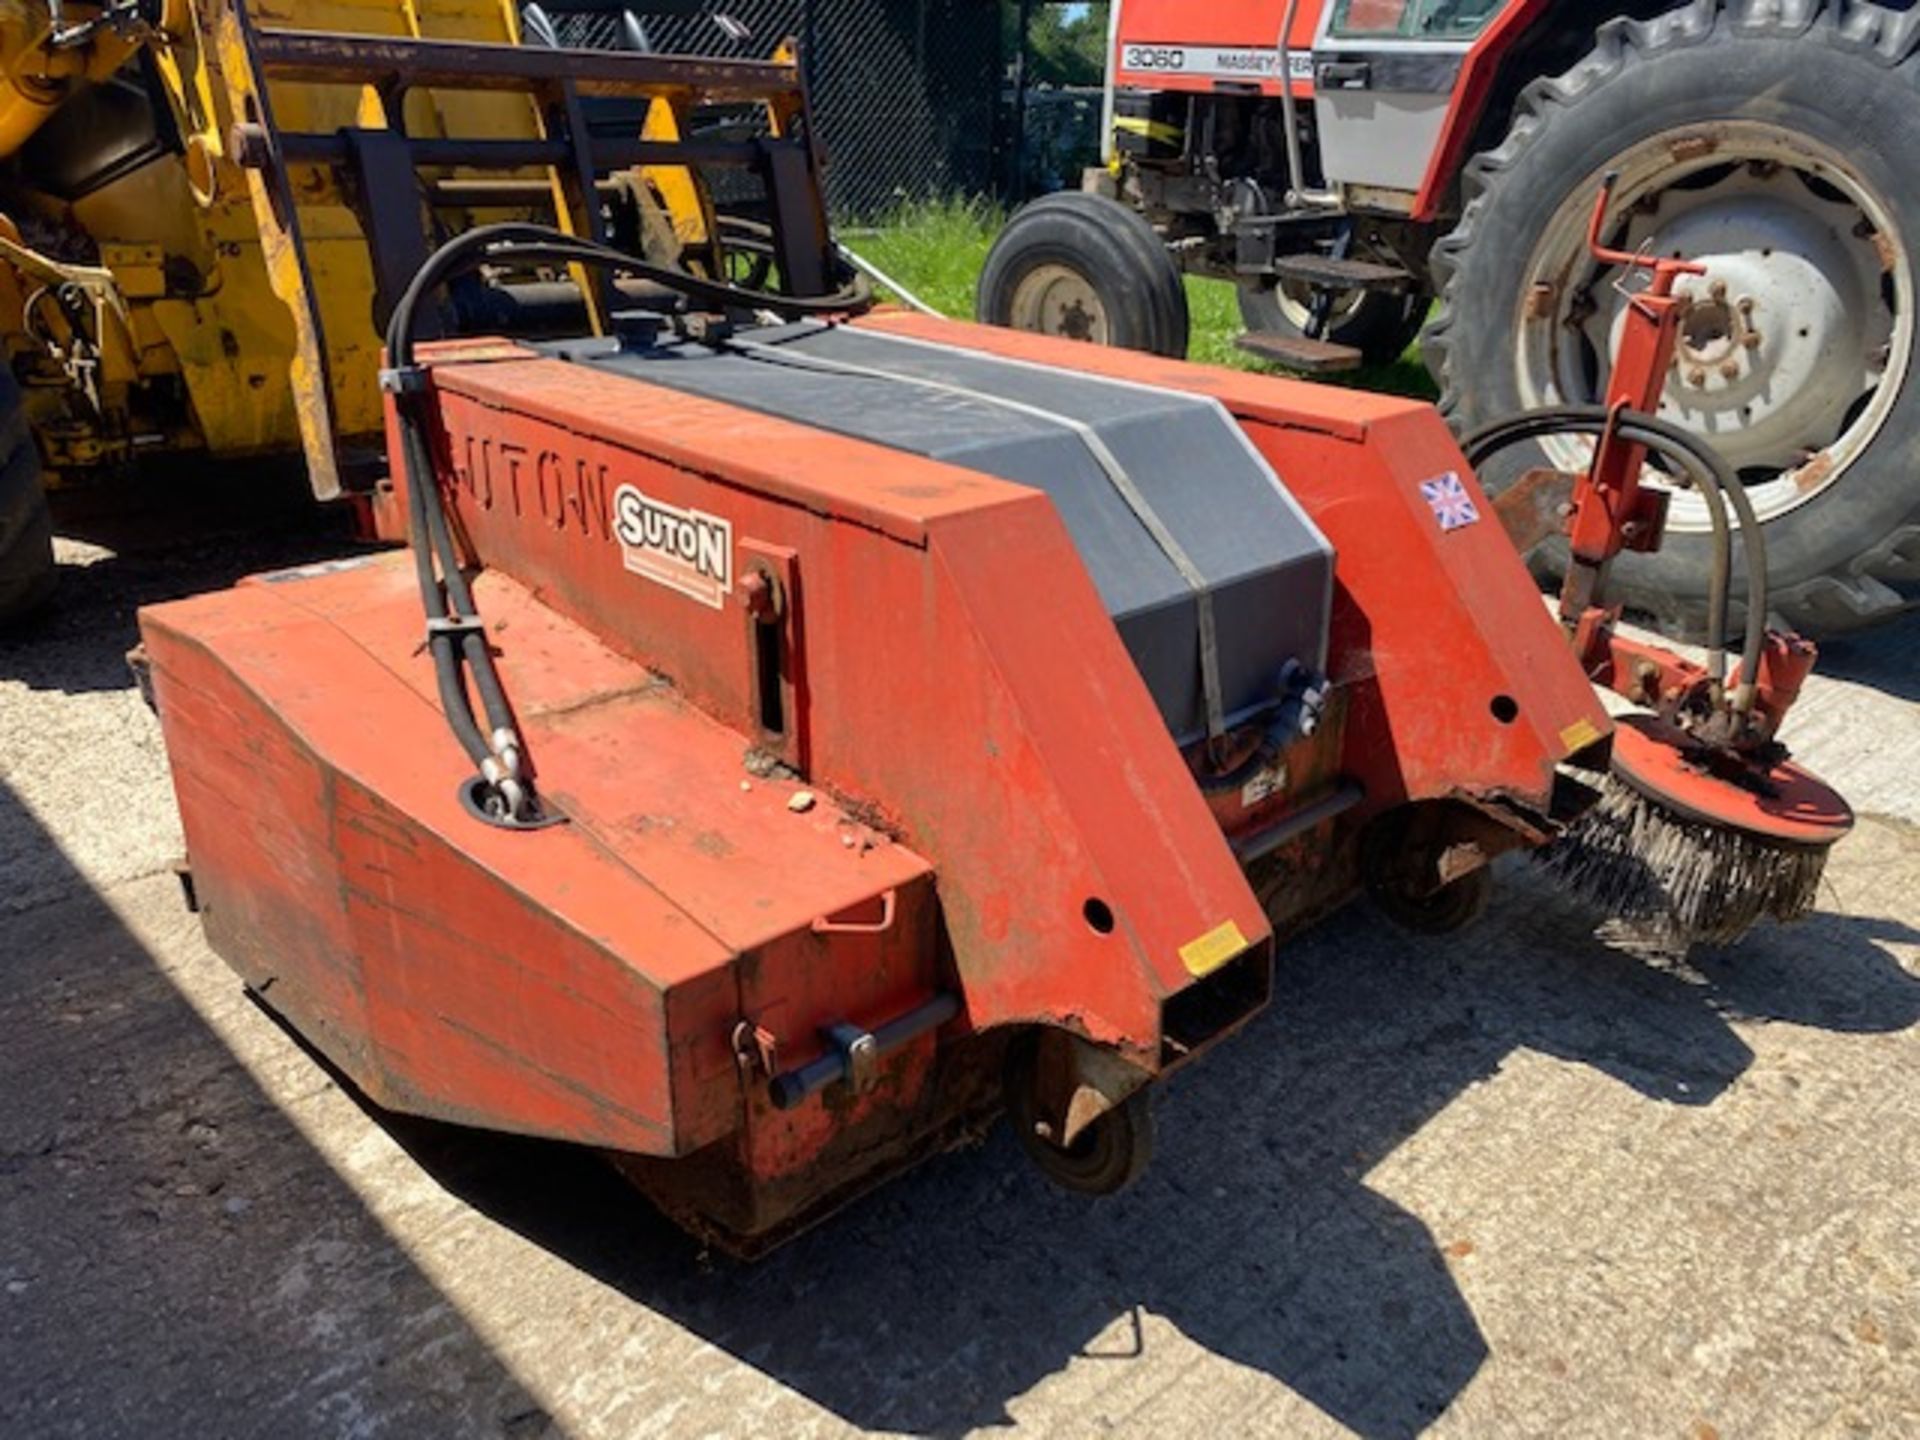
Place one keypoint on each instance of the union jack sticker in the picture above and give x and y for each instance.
(1452, 506)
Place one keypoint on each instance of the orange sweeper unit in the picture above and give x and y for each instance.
(796, 735)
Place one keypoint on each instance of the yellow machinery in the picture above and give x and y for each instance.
(208, 206)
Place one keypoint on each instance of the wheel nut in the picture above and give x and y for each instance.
(1718, 290)
(1697, 377)
(1751, 339)
(1729, 369)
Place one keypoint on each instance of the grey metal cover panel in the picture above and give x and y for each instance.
(1268, 569)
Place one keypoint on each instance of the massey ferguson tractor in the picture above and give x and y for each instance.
(1448, 150)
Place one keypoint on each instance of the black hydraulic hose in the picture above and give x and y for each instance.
(1753, 546)
(1511, 431)
(442, 643)
(536, 244)
(1753, 541)
(1717, 481)
(473, 642)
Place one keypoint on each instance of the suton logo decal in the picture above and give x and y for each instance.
(685, 550)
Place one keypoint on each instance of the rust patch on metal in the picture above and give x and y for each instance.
(1815, 473)
(1693, 147)
(1886, 251)
(1535, 506)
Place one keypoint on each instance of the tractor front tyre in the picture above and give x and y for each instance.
(26, 527)
(1084, 267)
(1378, 323)
(1775, 145)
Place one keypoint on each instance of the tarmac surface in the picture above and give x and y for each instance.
(1518, 1182)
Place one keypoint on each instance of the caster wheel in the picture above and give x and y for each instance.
(1107, 1155)
(1441, 912)
(1399, 856)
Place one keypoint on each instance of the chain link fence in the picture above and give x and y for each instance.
(1058, 137)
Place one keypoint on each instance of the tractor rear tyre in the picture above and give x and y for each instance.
(1378, 323)
(26, 527)
(1084, 267)
(1775, 144)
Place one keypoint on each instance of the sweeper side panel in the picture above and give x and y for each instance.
(538, 983)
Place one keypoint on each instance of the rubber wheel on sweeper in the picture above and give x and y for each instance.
(26, 527)
(1398, 850)
(1107, 1156)
(1452, 907)
(1378, 323)
(1084, 267)
(1775, 144)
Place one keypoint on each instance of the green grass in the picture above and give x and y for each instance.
(936, 250)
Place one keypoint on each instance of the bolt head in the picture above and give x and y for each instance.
(1697, 377)
(756, 593)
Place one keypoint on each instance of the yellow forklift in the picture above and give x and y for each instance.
(208, 208)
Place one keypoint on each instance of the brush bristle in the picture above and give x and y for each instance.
(1689, 882)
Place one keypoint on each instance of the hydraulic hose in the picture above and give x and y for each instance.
(1514, 429)
(1719, 488)
(528, 243)
(455, 639)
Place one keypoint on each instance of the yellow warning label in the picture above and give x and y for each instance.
(1210, 951)
(1579, 735)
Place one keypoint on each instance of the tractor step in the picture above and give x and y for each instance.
(1325, 272)
(1296, 352)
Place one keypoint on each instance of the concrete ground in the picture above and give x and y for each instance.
(1520, 1182)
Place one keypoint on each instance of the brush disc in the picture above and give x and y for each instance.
(1791, 806)
(1683, 856)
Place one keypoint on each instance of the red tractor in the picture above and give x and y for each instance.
(1422, 150)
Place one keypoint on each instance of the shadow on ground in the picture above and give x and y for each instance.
(140, 542)
(1887, 657)
(175, 1258)
(948, 1294)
